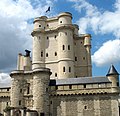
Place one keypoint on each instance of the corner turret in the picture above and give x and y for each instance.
(113, 77)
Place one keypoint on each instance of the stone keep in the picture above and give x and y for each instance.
(58, 81)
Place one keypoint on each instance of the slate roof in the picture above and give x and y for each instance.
(81, 80)
(112, 71)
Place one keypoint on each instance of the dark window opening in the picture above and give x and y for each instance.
(63, 69)
(68, 47)
(70, 86)
(47, 37)
(47, 25)
(42, 114)
(85, 107)
(84, 85)
(39, 25)
(55, 74)
(69, 69)
(41, 54)
(63, 47)
(75, 58)
(50, 102)
(60, 21)
(118, 84)
(7, 89)
(46, 54)
(56, 87)
(20, 90)
(19, 102)
(28, 90)
(83, 58)
(55, 53)
(46, 89)
(7, 103)
(55, 36)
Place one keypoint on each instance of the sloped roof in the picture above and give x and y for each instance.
(81, 80)
(112, 71)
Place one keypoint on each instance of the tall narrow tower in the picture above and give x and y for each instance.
(87, 44)
(65, 46)
(41, 75)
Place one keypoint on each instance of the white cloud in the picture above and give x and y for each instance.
(108, 53)
(15, 29)
(5, 80)
(101, 22)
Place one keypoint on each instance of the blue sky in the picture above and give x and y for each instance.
(100, 18)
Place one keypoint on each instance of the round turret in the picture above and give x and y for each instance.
(65, 18)
(113, 76)
(87, 40)
(17, 91)
(39, 22)
(41, 80)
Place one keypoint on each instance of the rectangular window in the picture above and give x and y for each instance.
(63, 69)
(75, 58)
(68, 47)
(69, 69)
(19, 102)
(70, 86)
(63, 47)
(42, 54)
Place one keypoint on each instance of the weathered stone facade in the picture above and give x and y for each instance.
(58, 80)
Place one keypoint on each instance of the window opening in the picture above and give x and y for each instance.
(69, 69)
(55, 53)
(63, 47)
(68, 47)
(63, 69)
(46, 54)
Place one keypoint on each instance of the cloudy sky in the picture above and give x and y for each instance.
(100, 18)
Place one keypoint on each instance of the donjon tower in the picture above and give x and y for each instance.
(57, 80)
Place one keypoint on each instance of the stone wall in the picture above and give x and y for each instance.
(92, 105)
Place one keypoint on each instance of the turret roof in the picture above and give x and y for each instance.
(112, 71)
